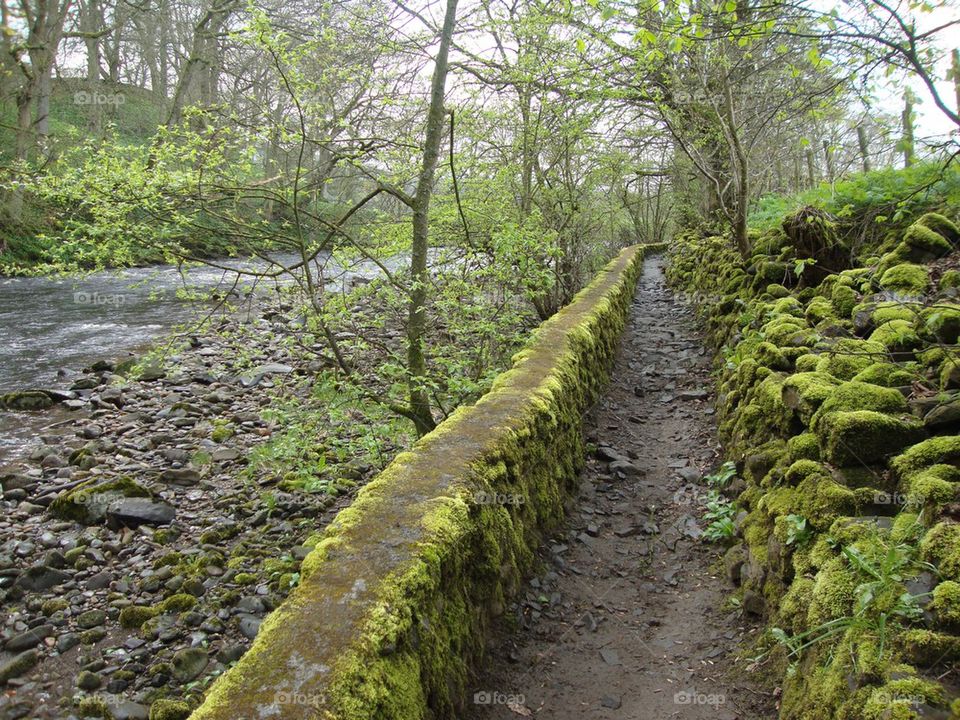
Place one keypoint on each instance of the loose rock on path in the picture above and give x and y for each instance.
(629, 617)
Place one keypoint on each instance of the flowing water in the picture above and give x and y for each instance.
(51, 327)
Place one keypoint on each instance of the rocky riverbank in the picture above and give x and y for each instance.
(138, 550)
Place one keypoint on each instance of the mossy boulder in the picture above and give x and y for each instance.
(819, 309)
(844, 299)
(923, 244)
(865, 436)
(950, 280)
(907, 279)
(803, 447)
(166, 709)
(927, 647)
(885, 374)
(769, 355)
(853, 395)
(941, 225)
(942, 321)
(26, 400)
(805, 392)
(832, 594)
(87, 503)
(846, 357)
(941, 547)
(933, 451)
(946, 604)
(897, 336)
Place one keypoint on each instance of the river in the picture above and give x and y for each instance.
(52, 327)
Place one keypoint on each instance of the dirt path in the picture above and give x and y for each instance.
(627, 619)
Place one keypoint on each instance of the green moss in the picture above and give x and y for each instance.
(177, 603)
(787, 330)
(803, 447)
(134, 616)
(924, 244)
(926, 647)
(844, 299)
(807, 362)
(53, 605)
(819, 309)
(934, 486)
(832, 594)
(778, 291)
(886, 374)
(941, 546)
(806, 391)
(934, 451)
(865, 436)
(950, 280)
(897, 700)
(802, 469)
(907, 278)
(792, 613)
(907, 528)
(847, 357)
(942, 321)
(940, 225)
(854, 395)
(94, 706)
(946, 603)
(769, 355)
(164, 709)
(887, 311)
(897, 336)
(87, 502)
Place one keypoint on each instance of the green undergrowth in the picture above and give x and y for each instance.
(839, 403)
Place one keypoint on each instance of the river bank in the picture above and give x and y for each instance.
(150, 531)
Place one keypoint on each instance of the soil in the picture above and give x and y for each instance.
(631, 615)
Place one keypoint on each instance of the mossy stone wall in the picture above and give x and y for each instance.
(837, 399)
(395, 601)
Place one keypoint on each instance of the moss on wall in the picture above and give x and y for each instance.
(396, 599)
(865, 603)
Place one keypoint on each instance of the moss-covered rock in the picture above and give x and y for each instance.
(865, 436)
(847, 357)
(166, 709)
(907, 279)
(844, 299)
(923, 244)
(885, 374)
(934, 451)
(805, 392)
(87, 503)
(940, 225)
(854, 395)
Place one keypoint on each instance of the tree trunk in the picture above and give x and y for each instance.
(907, 139)
(828, 160)
(417, 318)
(864, 148)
